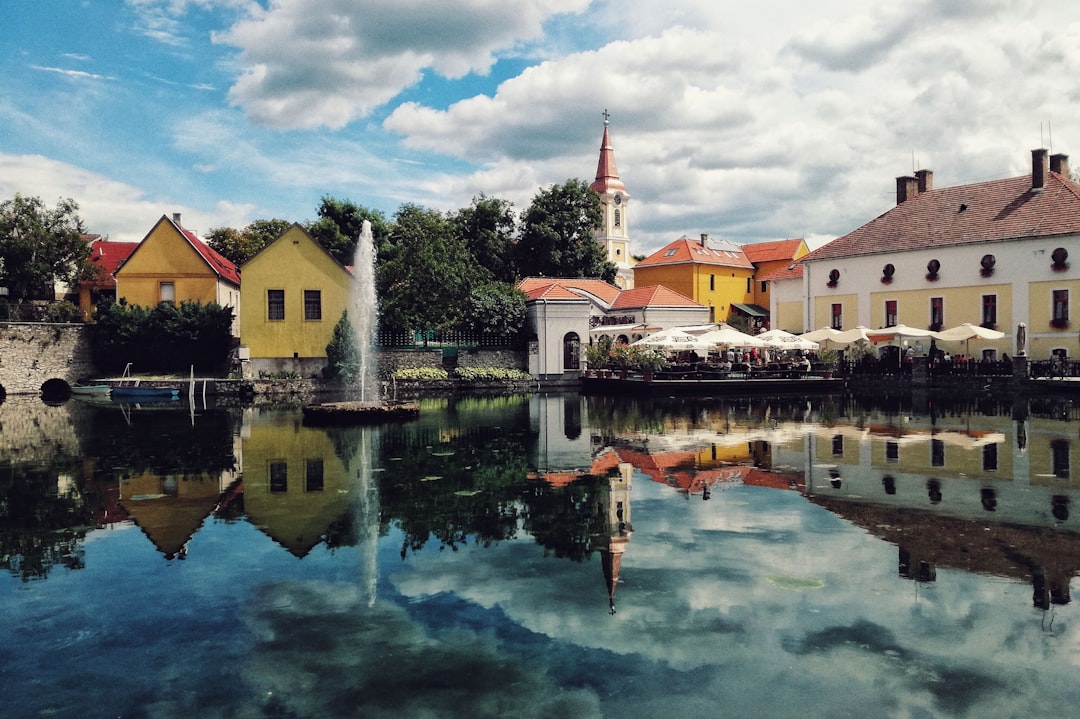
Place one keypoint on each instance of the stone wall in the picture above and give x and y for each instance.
(32, 353)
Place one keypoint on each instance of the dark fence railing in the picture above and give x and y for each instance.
(1056, 367)
(433, 339)
(873, 366)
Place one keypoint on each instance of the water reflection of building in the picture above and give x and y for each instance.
(170, 508)
(990, 495)
(296, 486)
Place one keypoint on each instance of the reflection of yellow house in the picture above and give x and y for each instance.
(295, 485)
(170, 508)
(171, 264)
(294, 294)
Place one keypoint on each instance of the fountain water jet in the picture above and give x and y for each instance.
(363, 314)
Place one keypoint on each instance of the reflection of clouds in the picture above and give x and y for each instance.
(733, 607)
(322, 651)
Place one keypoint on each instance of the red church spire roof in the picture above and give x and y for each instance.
(607, 175)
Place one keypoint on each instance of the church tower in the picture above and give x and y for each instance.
(614, 233)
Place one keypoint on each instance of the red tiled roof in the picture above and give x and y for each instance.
(604, 291)
(966, 214)
(685, 250)
(652, 296)
(224, 268)
(108, 256)
(788, 272)
(771, 251)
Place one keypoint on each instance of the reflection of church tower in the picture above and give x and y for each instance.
(614, 231)
(619, 527)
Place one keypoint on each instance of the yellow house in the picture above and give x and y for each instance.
(717, 275)
(294, 294)
(171, 264)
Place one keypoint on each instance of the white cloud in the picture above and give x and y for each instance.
(107, 207)
(315, 63)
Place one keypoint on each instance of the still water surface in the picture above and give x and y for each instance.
(542, 556)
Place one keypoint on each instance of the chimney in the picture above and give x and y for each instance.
(925, 179)
(176, 218)
(906, 189)
(704, 238)
(1059, 163)
(1038, 169)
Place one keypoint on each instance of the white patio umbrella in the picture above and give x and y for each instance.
(822, 334)
(851, 336)
(898, 332)
(728, 336)
(675, 340)
(779, 339)
(967, 332)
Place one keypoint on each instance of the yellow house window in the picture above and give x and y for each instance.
(312, 304)
(275, 304)
(167, 292)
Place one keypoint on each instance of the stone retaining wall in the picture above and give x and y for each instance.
(33, 352)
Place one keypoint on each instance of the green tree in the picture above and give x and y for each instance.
(558, 234)
(169, 338)
(343, 352)
(41, 246)
(239, 246)
(487, 227)
(429, 274)
(495, 308)
(339, 225)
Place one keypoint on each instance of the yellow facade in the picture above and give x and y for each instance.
(293, 263)
(714, 286)
(849, 308)
(165, 257)
(1040, 310)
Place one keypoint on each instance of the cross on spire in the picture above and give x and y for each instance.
(606, 115)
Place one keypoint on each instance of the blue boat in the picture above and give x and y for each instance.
(145, 393)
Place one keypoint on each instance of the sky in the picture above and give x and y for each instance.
(746, 121)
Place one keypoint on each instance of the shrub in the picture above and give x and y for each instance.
(62, 312)
(490, 374)
(421, 373)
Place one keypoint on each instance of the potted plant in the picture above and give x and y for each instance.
(649, 361)
(596, 357)
(828, 358)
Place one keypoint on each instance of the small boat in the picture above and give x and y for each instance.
(145, 393)
(91, 390)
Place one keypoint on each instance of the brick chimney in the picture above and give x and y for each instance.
(704, 238)
(1059, 163)
(906, 189)
(925, 180)
(176, 218)
(1039, 168)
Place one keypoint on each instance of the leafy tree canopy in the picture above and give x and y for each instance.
(428, 276)
(558, 234)
(339, 225)
(239, 246)
(487, 228)
(40, 246)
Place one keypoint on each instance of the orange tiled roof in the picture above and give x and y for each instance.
(604, 291)
(652, 296)
(687, 251)
(772, 251)
(966, 214)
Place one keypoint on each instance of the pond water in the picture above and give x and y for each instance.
(542, 556)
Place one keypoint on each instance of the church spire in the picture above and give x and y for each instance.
(607, 175)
